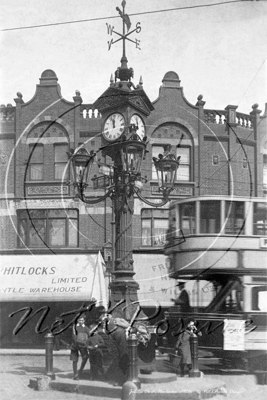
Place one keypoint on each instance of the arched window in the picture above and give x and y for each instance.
(48, 144)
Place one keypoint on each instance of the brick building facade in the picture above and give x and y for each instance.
(222, 152)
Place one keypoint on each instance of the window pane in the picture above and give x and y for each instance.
(146, 213)
(188, 218)
(57, 232)
(264, 173)
(36, 172)
(184, 152)
(71, 213)
(36, 214)
(259, 298)
(22, 232)
(59, 171)
(146, 232)
(36, 153)
(234, 210)
(172, 232)
(61, 153)
(73, 233)
(210, 216)
(23, 214)
(260, 219)
(37, 230)
(57, 213)
(61, 159)
(183, 173)
(160, 231)
(160, 213)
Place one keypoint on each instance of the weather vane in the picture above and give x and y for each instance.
(124, 36)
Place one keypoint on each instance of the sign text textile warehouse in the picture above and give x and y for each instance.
(52, 278)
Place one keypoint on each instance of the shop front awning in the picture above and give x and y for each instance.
(52, 278)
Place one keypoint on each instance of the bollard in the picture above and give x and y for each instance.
(194, 372)
(128, 391)
(133, 367)
(49, 343)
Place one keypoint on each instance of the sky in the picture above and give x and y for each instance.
(217, 51)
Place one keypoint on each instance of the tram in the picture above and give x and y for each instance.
(218, 246)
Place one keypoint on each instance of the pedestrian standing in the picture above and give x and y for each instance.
(116, 327)
(182, 347)
(95, 344)
(80, 336)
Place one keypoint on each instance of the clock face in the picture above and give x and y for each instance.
(114, 127)
(136, 120)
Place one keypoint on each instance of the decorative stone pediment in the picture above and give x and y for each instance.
(116, 98)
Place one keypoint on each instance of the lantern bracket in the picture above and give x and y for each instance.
(86, 200)
(149, 203)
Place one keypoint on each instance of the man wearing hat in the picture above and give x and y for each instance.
(183, 298)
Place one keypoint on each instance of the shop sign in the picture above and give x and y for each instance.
(47, 277)
(177, 190)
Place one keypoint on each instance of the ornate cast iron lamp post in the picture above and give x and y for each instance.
(127, 156)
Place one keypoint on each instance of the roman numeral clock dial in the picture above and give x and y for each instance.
(113, 127)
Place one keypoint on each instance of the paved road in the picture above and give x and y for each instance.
(16, 372)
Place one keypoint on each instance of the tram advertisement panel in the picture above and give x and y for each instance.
(234, 335)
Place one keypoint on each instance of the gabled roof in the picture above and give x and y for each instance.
(117, 97)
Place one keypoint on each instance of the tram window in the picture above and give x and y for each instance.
(235, 215)
(188, 218)
(260, 219)
(210, 216)
(259, 298)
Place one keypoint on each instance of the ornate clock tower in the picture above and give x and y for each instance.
(124, 108)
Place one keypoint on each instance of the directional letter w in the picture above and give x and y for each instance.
(110, 29)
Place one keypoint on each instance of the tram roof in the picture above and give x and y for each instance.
(219, 197)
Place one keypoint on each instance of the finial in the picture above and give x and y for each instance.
(19, 95)
(255, 106)
(200, 101)
(141, 81)
(77, 92)
(111, 79)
